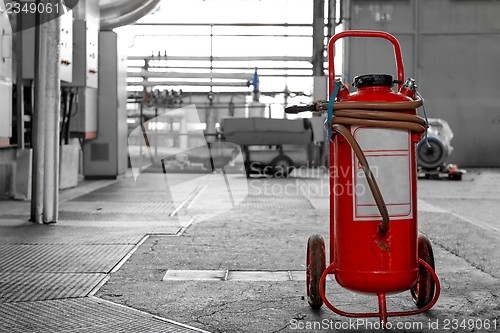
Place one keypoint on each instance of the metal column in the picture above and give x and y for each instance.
(318, 38)
(19, 84)
(44, 206)
(52, 131)
(41, 41)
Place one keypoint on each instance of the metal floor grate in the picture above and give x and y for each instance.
(60, 258)
(119, 207)
(42, 234)
(135, 196)
(22, 287)
(81, 315)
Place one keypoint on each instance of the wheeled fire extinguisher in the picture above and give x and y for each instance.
(374, 243)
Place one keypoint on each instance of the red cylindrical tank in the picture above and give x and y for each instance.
(367, 260)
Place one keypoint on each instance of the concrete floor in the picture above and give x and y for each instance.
(117, 240)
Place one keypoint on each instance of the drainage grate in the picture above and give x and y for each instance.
(137, 224)
(56, 234)
(128, 196)
(258, 276)
(192, 275)
(81, 315)
(273, 203)
(222, 275)
(119, 207)
(69, 216)
(241, 276)
(61, 258)
(22, 287)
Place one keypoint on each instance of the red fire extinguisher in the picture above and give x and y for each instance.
(374, 242)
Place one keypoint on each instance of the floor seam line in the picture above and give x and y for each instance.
(98, 299)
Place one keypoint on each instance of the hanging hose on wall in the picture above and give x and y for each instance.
(68, 102)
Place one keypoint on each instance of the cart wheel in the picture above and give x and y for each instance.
(423, 291)
(316, 265)
(282, 166)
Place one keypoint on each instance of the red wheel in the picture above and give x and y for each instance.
(316, 265)
(423, 291)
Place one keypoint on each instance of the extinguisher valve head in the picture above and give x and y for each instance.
(373, 80)
(410, 84)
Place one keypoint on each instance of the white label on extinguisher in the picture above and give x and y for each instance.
(388, 154)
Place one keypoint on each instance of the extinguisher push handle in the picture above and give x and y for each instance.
(369, 34)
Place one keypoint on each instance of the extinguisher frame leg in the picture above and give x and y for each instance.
(382, 310)
(382, 314)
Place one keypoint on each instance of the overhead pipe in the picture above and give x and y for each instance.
(147, 74)
(136, 96)
(227, 68)
(189, 83)
(208, 58)
(222, 35)
(227, 24)
(115, 13)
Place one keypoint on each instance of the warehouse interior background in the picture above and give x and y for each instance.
(148, 169)
(125, 62)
